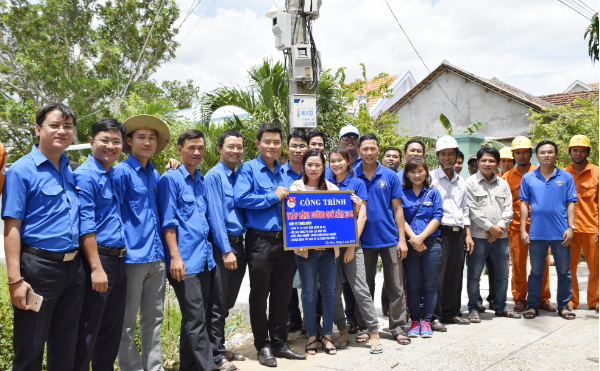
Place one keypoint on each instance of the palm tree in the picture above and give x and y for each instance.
(471, 129)
(592, 32)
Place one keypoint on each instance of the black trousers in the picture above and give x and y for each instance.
(450, 274)
(102, 315)
(294, 313)
(491, 279)
(224, 288)
(271, 276)
(192, 294)
(62, 285)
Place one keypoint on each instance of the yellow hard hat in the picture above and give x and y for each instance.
(506, 152)
(580, 141)
(521, 143)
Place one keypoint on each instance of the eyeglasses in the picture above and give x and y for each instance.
(297, 147)
(106, 142)
(350, 136)
(55, 127)
(235, 148)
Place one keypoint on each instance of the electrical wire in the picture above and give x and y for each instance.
(192, 8)
(585, 11)
(188, 34)
(593, 11)
(586, 17)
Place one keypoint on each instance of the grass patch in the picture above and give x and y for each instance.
(6, 323)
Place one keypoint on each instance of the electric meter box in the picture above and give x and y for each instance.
(303, 111)
(311, 8)
(282, 29)
(302, 63)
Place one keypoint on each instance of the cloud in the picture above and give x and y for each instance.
(534, 45)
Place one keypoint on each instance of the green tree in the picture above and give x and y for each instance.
(560, 124)
(471, 129)
(591, 33)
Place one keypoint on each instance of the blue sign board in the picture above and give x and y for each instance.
(319, 219)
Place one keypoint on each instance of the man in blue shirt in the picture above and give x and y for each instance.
(226, 223)
(189, 255)
(384, 230)
(41, 228)
(296, 148)
(348, 139)
(136, 182)
(259, 188)
(552, 194)
(316, 140)
(103, 244)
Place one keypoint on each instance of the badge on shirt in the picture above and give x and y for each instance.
(291, 201)
(559, 183)
(381, 184)
(427, 203)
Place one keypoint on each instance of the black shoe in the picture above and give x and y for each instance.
(286, 352)
(436, 325)
(456, 320)
(266, 357)
(492, 306)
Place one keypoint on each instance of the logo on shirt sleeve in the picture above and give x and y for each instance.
(559, 183)
(381, 184)
(291, 202)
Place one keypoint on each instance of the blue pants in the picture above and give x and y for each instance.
(325, 263)
(538, 250)
(498, 252)
(421, 270)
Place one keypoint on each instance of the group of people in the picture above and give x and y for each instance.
(99, 243)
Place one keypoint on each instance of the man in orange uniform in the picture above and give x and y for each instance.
(522, 152)
(586, 218)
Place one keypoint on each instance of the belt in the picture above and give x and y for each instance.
(60, 256)
(235, 239)
(266, 233)
(450, 228)
(112, 251)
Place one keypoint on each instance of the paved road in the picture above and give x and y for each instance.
(545, 343)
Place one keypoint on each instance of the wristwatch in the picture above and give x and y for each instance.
(573, 227)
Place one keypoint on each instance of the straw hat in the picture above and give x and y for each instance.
(141, 122)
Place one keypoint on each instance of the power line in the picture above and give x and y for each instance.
(139, 58)
(428, 70)
(198, 21)
(581, 8)
(593, 11)
(192, 8)
(575, 10)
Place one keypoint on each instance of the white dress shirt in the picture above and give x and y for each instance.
(454, 197)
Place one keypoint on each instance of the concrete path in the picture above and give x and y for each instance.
(545, 343)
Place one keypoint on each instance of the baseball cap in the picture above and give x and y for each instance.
(348, 129)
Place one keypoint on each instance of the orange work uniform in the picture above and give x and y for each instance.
(586, 231)
(519, 251)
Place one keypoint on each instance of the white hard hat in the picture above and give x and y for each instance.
(348, 129)
(446, 142)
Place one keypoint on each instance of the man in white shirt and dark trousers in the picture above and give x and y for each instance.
(456, 235)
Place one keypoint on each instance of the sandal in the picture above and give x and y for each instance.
(363, 337)
(531, 315)
(342, 344)
(566, 313)
(328, 350)
(221, 366)
(235, 357)
(508, 313)
(377, 349)
(307, 349)
(352, 327)
(403, 340)
(474, 317)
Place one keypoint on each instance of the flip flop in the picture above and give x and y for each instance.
(342, 344)
(377, 349)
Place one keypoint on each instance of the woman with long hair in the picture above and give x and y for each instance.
(352, 264)
(311, 262)
(423, 213)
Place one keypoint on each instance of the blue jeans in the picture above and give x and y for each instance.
(421, 270)
(498, 252)
(538, 250)
(325, 263)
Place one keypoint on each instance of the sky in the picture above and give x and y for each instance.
(534, 45)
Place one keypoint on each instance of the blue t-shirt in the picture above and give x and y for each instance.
(432, 208)
(329, 174)
(100, 206)
(182, 207)
(44, 200)
(351, 184)
(548, 201)
(290, 175)
(380, 228)
(400, 174)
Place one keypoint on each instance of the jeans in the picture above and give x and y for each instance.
(538, 251)
(323, 262)
(421, 269)
(498, 252)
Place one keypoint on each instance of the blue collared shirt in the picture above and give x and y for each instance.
(351, 184)
(182, 207)
(380, 228)
(290, 175)
(44, 200)
(400, 174)
(432, 208)
(254, 191)
(357, 163)
(100, 206)
(224, 218)
(137, 188)
(548, 201)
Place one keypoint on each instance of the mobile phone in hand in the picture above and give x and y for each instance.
(34, 301)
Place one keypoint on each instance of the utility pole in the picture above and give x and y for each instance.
(299, 32)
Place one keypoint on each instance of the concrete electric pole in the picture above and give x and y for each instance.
(293, 36)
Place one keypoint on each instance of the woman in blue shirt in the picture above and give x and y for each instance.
(352, 264)
(423, 213)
